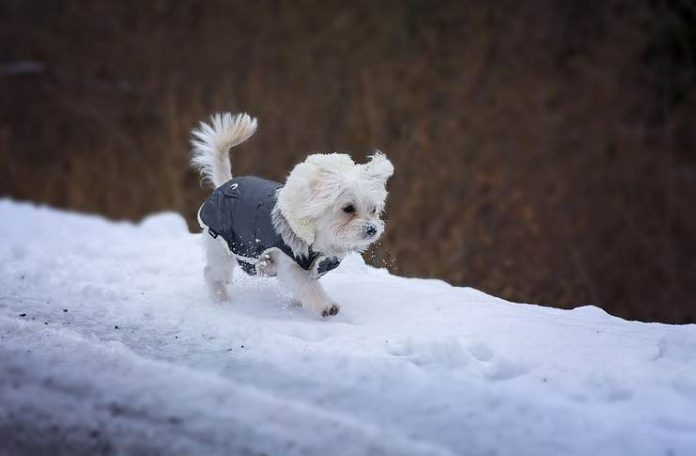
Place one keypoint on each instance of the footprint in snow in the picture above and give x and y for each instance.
(504, 369)
(443, 353)
(449, 353)
(496, 368)
(600, 387)
(481, 351)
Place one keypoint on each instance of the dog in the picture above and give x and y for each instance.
(328, 207)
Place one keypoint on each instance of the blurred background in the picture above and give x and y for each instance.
(545, 151)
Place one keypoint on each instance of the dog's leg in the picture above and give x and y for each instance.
(304, 288)
(218, 269)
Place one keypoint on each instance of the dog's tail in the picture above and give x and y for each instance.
(212, 142)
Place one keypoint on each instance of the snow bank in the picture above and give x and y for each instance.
(109, 345)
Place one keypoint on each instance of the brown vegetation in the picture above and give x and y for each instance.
(544, 150)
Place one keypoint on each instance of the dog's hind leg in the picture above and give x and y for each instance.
(218, 269)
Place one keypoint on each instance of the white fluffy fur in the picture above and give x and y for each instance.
(317, 184)
(328, 203)
(212, 142)
(299, 201)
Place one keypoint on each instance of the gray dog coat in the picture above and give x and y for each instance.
(240, 212)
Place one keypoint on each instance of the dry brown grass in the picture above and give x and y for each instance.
(544, 150)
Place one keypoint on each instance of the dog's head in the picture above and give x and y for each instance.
(335, 205)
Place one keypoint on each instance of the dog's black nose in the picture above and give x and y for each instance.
(370, 231)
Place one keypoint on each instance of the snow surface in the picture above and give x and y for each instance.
(109, 345)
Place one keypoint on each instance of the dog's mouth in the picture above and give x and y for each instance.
(359, 241)
(363, 243)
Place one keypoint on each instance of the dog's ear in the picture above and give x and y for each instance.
(311, 188)
(379, 167)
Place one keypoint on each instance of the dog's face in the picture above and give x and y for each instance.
(352, 221)
(334, 204)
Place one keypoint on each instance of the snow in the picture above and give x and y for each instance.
(109, 345)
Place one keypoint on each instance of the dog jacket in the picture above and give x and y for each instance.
(240, 211)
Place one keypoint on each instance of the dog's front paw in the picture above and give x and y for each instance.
(330, 310)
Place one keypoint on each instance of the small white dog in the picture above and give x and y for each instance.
(327, 208)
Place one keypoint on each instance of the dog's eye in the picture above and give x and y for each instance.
(349, 209)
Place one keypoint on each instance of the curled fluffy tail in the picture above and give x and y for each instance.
(212, 141)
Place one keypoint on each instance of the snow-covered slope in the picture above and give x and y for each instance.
(109, 345)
